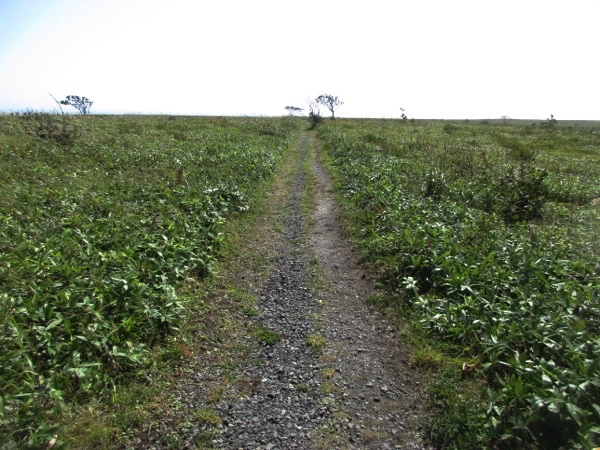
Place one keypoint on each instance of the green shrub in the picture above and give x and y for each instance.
(477, 264)
(59, 128)
(457, 419)
(523, 193)
(98, 244)
(266, 336)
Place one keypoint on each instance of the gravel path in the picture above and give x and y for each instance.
(287, 353)
(286, 406)
(337, 377)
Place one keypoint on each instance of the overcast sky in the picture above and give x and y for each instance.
(435, 58)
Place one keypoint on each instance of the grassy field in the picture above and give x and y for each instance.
(485, 236)
(105, 222)
(488, 238)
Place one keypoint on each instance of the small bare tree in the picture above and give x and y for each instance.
(330, 102)
(314, 114)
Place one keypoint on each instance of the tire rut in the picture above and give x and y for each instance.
(286, 405)
(379, 391)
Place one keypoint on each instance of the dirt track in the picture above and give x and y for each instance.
(337, 374)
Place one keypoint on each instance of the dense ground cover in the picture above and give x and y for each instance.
(488, 237)
(103, 221)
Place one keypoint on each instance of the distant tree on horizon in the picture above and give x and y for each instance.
(550, 123)
(81, 104)
(402, 114)
(330, 102)
(293, 109)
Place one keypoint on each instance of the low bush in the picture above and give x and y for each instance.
(59, 128)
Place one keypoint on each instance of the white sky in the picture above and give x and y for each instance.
(436, 58)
